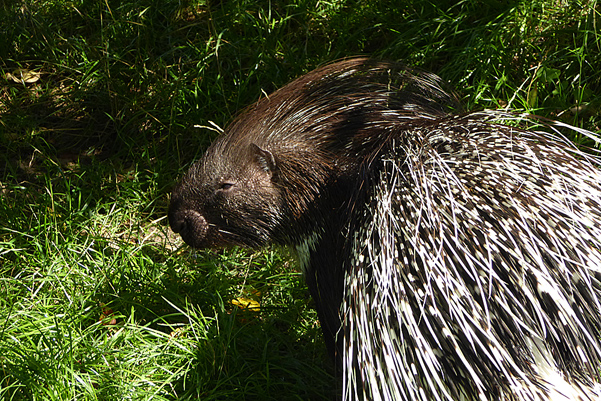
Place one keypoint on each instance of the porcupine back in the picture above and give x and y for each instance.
(449, 257)
(476, 267)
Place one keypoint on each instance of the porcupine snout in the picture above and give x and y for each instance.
(187, 222)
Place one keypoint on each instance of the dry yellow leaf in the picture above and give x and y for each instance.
(22, 75)
(245, 303)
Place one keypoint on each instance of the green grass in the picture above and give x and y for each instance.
(98, 300)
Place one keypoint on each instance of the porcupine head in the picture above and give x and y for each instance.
(250, 189)
(227, 200)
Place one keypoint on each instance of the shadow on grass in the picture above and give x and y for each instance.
(273, 352)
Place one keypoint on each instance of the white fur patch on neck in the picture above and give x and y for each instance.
(306, 247)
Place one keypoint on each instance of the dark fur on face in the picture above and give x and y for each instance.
(211, 206)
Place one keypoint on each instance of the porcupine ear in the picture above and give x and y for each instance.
(265, 160)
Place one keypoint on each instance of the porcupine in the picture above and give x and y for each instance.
(451, 256)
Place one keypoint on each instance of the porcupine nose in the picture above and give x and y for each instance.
(188, 223)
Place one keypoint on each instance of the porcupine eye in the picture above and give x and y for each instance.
(225, 186)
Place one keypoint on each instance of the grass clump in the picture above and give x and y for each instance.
(101, 109)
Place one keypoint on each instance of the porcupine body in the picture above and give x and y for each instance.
(450, 257)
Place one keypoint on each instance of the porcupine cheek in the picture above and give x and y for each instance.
(191, 225)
